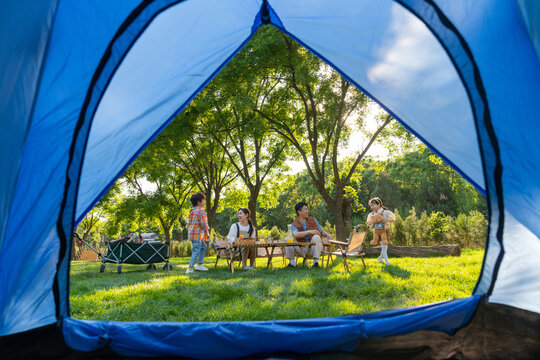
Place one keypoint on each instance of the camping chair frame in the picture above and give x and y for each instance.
(326, 252)
(223, 251)
(347, 249)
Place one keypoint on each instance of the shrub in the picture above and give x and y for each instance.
(185, 249)
(424, 230)
(437, 228)
(477, 229)
(398, 230)
(329, 228)
(410, 228)
(181, 248)
(275, 233)
(459, 230)
(264, 233)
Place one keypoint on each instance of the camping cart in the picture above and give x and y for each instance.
(126, 251)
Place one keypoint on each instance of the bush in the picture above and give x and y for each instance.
(185, 249)
(397, 230)
(329, 228)
(410, 228)
(437, 228)
(181, 248)
(477, 229)
(469, 231)
(275, 233)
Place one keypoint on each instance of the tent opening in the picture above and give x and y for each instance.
(270, 130)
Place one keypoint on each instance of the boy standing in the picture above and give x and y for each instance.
(198, 232)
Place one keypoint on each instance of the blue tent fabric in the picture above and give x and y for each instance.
(25, 36)
(531, 14)
(82, 81)
(238, 339)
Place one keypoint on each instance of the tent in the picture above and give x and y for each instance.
(76, 76)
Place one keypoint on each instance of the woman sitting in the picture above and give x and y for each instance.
(244, 228)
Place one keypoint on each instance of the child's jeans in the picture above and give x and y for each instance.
(199, 250)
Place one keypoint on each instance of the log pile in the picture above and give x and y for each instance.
(416, 251)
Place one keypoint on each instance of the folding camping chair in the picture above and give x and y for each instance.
(223, 251)
(352, 248)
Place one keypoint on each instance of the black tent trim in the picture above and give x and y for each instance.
(480, 111)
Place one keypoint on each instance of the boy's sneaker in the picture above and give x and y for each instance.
(315, 266)
(380, 260)
(200, 268)
(291, 266)
(247, 268)
(388, 263)
(189, 271)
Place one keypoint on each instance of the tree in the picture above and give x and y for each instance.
(95, 217)
(313, 108)
(163, 197)
(197, 153)
(422, 180)
(254, 151)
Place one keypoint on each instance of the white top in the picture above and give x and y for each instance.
(387, 214)
(233, 232)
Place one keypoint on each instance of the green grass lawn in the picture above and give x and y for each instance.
(217, 295)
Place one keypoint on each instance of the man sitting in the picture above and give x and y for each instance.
(306, 229)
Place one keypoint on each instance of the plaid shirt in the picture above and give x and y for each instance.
(198, 224)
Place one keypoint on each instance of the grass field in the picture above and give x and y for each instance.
(282, 293)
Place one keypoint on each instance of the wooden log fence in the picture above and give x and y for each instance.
(416, 251)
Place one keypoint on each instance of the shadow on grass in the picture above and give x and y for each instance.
(219, 295)
(396, 271)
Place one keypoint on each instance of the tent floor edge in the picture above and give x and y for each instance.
(495, 332)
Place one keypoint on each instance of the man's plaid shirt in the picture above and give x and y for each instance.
(198, 224)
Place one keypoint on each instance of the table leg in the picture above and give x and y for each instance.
(231, 263)
(306, 254)
(270, 256)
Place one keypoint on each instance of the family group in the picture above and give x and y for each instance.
(304, 229)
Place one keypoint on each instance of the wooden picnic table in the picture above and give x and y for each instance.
(269, 247)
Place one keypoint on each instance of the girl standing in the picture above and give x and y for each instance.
(378, 220)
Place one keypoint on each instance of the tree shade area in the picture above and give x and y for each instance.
(268, 294)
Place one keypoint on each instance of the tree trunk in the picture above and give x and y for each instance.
(339, 223)
(167, 233)
(416, 251)
(209, 207)
(166, 229)
(347, 216)
(252, 204)
(341, 209)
